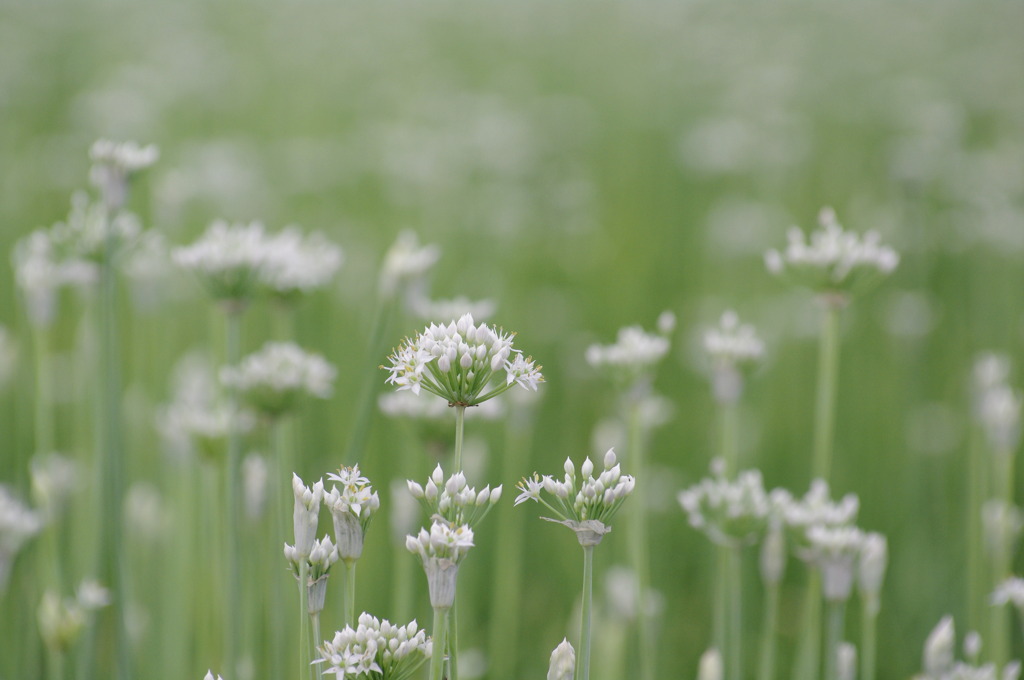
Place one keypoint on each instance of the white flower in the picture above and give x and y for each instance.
(939, 647)
(460, 362)
(406, 262)
(441, 550)
(833, 260)
(632, 355)
(1010, 591)
(41, 267)
(453, 499)
(1000, 414)
(254, 484)
(711, 667)
(773, 554)
(816, 508)
(835, 551)
(295, 264)
(351, 508)
(54, 479)
(227, 258)
(874, 557)
(728, 512)
(846, 663)
(732, 342)
(375, 646)
(209, 676)
(274, 379)
(113, 163)
(563, 662)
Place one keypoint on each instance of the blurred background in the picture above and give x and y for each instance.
(585, 166)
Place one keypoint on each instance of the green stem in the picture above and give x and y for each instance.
(834, 639)
(976, 494)
(1002, 560)
(639, 551)
(314, 618)
(720, 625)
(868, 639)
(55, 664)
(367, 399)
(729, 423)
(440, 630)
(233, 350)
(583, 660)
(280, 482)
(766, 668)
(828, 380)
(44, 428)
(460, 424)
(453, 643)
(808, 662)
(350, 593)
(304, 659)
(735, 657)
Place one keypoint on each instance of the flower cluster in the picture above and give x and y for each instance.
(113, 163)
(585, 504)
(834, 261)
(997, 406)
(377, 649)
(816, 508)
(940, 658)
(295, 264)
(226, 258)
(441, 550)
(41, 268)
(61, 621)
(406, 262)
(454, 500)
(836, 551)
(732, 343)
(729, 512)
(460, 362)
(351, 508)
(274, 379)
(1010, 591)
(633, 354)
(18, 523)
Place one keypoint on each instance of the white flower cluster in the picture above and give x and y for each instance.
(732, 343)
(88, 228)
(586, 504)
(274, 379)
(816, 508)
(295, 264)
(459, 362)
(454, 308)
(454, 500)
(836, 551)
(54, 479)
(1010, 591)
(375, 649)
(41, 268)
(351, 508)
(226, 258)
(406, 262)
(833, 260)
(729, 512)
(197, 418)
(940, 658)
(634, 352)
(997, 406)
(441, 550)
(61, 621)
(18, 523)
(113, 163)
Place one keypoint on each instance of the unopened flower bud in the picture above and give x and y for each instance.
(563, 662)
(846, 661)
(938, 648)
(710, 666)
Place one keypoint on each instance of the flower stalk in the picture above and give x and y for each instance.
(583, 667)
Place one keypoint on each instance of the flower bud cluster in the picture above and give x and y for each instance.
(997, 406)
(833, 261)
(729, 512)
(940, 658)
(352, 506)
(732, 343)
(274, 379)
(375, 646)
(583, 502)
(441, 550)
(406, 262)
(460, 362)
(113, 164)
(227, 259)
(453, 499)
(295, 264)
(305, 516)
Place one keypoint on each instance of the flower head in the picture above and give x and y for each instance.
(583, 502)
(441, 550)
(296, 264)
(833, 262)
(1010, 591)
(352, 506)
(632, 356)
(276, 378)
(227, 258)
(461, 362)
(406, 263)
(731, 347)
(454, 499)
(375, 646)
(729, 512)
(835, 551)
(874, 558)
(816, 508)
(42, 267)
(113, 164)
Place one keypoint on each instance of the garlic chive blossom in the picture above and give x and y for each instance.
(274, 379)
(377, 649)
(227, 258)
(454, 500)
(461, 362)
(352, 506)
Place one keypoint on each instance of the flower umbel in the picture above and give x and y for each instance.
(454, 500)
(352, 506)
(274, 379)
(729, 512)
(441, 550)
(461, 362)
(375, 649)
(227, 258)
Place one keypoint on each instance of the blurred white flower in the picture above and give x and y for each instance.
(711, 667)
(632, 356)
(731, 347)
(1010, 591)
(227, 259)
(113, 164)
(254, 484)
(454, 308)
(406, 264)
(274, 379)
(295, 264)
(939, 648)
(41, 269)
(54, 479)
(728, 512)
(835, 551)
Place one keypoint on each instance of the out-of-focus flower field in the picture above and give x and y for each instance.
(581, 166)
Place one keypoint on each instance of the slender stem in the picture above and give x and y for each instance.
(304, 659)
(583, 660)
(460, 424)
(868, 639)
(280, 482)
(639, 550)
(364, 417)
(437, 657)
(734, 668)
(1002, 559)
(828, 379)
(835, 638)
(350, 593)
(766, 668)
(314, 618)
(233, 349)
(44, 390)
(54, 664)
(452, 642)
(720, 625)
(729, 423)
(809, 650)
(976, 567)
